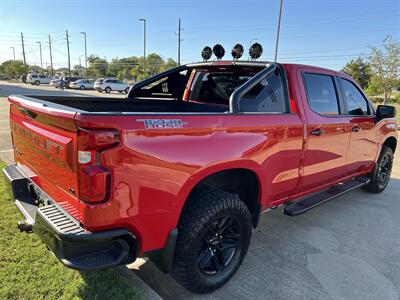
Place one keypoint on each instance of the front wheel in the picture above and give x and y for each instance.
(380, 175)
(107, 90)
(214, 235)
(37, 82)
(82, 87)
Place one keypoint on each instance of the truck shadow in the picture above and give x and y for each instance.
(347, 248)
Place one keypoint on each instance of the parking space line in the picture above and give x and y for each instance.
(5, 151)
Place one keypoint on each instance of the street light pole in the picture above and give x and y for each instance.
(40, 47)
(279, 29)
(80, 66)
(13, 52)
(144, 45)
(84, 33)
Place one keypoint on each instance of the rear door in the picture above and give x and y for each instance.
(364, 140)
(328, 131)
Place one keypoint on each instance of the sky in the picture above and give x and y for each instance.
(326, 33)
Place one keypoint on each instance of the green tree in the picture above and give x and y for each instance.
(121, 67)
(78, 70)
(154, 64)
(169, 64)
(137, 72)
(385, 66)
(14, 68)
(98, 66)
(359, 70)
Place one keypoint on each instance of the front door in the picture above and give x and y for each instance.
(364, 139)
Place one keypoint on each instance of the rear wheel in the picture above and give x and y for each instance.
(107, 90)
(37, 82)
(380, 175)
(82, 87)
(214, 235)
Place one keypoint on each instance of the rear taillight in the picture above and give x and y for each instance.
(94, 178)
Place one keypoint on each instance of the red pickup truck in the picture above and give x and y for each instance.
(182, 168)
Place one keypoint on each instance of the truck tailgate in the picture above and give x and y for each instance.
(45, 143)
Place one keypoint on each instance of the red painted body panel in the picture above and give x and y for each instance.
(154, 170)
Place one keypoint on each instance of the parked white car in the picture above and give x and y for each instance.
(37, 79)
(82, 84)
(110, 84)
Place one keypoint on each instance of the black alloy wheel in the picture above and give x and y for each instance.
(384, 170)
(380, 175)
(214, 236)
(220, 245)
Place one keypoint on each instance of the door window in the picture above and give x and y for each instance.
(357, 105)
(321, 94)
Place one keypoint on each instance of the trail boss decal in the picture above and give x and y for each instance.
(162, 123)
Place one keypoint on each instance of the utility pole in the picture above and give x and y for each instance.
(51, 58)
(179, 41)
(84, 33)
(41, 61)
(279, 29)
(144, 46)
(69, 59)
(13, 52)
(23, 47)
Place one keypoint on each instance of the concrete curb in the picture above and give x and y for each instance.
(144, 290)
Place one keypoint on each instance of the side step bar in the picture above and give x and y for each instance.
(304, 205)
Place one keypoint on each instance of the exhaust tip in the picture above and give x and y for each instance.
(24, 226)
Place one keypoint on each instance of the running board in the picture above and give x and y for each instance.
(304, 205)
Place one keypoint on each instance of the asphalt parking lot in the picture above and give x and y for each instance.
(348, 248)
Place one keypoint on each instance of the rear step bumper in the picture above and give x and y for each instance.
(74, 246)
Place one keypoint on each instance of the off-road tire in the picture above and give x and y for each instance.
(205, 208)
(385, 160)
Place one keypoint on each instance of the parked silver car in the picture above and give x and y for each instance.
(82, 84)
(55, 82)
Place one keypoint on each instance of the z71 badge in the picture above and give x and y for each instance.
(162, 123)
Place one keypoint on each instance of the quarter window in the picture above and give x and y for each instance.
(356, 103)
(321, 93)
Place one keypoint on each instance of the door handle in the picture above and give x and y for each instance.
(356, 128)
(317, 131)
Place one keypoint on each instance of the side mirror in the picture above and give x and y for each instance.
(385, 112)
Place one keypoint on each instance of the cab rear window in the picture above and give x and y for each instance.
(216, 88)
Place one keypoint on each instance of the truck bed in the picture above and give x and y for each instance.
(118, 105)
